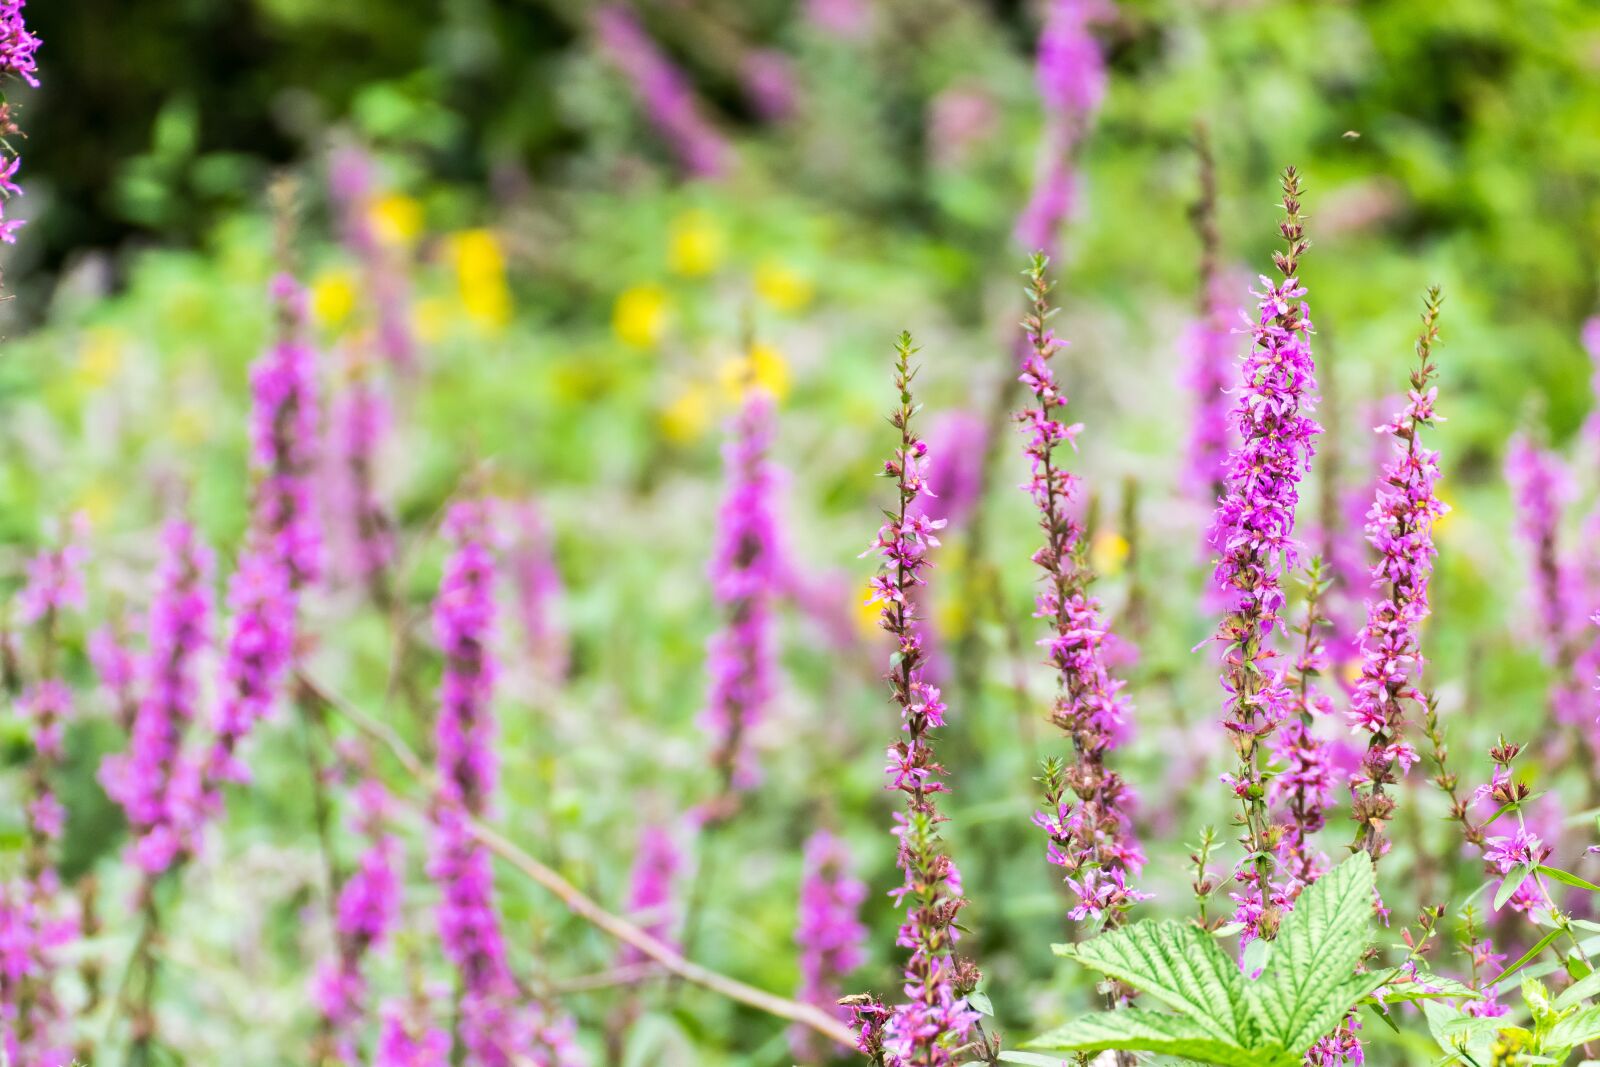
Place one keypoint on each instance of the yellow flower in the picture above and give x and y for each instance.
(685, 419)
(99, 357)
(764, 366)
(639, 317)
(97, 502)
(430, 319)
(952, 615)
(333, 298)
(783, 287)
(695, 244)
(396, 219)
(191, 424)
(1108, 552)
(868, 614)
(481, 278)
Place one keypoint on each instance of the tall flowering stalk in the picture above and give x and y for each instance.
(1087, 819)
(934, 1021)
(1208, 347)
(498, 1027)
(34, 929)
(366, 912)
(663, 91)
(350, 183)
(1400, 530)
(651, 890)
(283, 430)
(17, 48)
(1253, 534)
(1300, 792)
(1071, 76)
(830, 934)
(147, 780)
(1542, 489)
(358, 422)
(536, 582)
(745, 577)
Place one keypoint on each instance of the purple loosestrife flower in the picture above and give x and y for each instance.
(651, 895)
(407, 1038)
(350, 183)
(363, 533)
(1541, 490)
(17, 48)
(367, 909)
(284, 435)
(662, 90)
(934, 1020)
(259, 652)
(498, 1028)
(147, 780)
(830, 933)
(1400, 530)
(1071, 76)
(536, 581)
(744, 581)
(1091, 834)
(1303, 788)
(1253, 535)
(1208, 343)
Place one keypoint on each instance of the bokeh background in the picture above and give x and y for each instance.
(583, 304)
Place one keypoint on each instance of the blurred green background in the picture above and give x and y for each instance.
(583, 306)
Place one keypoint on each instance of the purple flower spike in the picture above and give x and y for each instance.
(284, 434)
(830, 934)
(663, 91)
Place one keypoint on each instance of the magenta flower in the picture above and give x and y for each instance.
(284, 433)
(1253, 535)
(662, 90)
(1541, 491)
(1302, 789)
(656, 866)
(148, 780)
(1087, 818)
(259, 652)
(830, 933)
(498, 1026)
(1208, 344)
(934, 1019)
(536, 582)
(55, 577)
(406, 1040)
(1400, 530)
(1071, 76)
(744, 581)
(17, 48)
(359, 522)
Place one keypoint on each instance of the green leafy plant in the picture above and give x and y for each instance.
(1557, 1026)
(1308, 983)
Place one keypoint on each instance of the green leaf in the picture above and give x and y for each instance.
(1148, 1031)
(1510, 884)
(1576, 1029)
(1582, 989)
(1567, 878)
(1035, 1059)
(980, 1003)
(1425, 986)
(1177, 964)
(1539, 946)
(1307, 986)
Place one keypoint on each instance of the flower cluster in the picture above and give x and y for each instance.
(260, 649)
(359, 522)
(498, 1027)
(350, 183)
(1253, 535)
(1088, 818)
(662, 90)
(934, 1019)
(284, 434)
(407, 1043)
(744, 580)
(1400, 530)
(530, 564)
(17, 48)
(366, 910)
(149, 780)
(650, 890)
(1302, 789)
(830, 933)
(1071, 76)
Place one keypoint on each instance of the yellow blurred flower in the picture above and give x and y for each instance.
(764, 366)
(686, 419)
(640, 316)
(952, 616)
(783, 287)
(100, 356)
(481, 278)
(191, 424)
(1108, 552)
(333, 298)
(695, 244)
(430, 319)
(396, 219)
(96, 503)
(868, 614)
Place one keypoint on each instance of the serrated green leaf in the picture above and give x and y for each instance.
(1178, 965)
(1306, 988)
(1148, 1031)
(1576, 1029)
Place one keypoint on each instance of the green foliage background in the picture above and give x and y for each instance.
(1453, 143)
